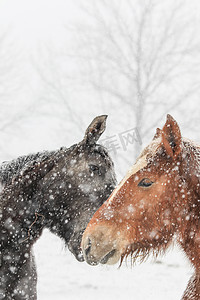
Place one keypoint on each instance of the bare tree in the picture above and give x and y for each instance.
(13, 111)
(57, 88)
(137, 60)
(140, 54)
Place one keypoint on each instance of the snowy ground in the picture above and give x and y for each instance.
(61, 277)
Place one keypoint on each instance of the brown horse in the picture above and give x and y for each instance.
(157, 201)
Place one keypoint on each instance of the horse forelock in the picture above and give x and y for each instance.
(102, 151)
(151, 150)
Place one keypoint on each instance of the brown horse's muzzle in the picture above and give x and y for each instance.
(100, 245)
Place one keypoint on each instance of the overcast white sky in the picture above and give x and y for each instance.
(43, 19)
(32, 20)
(30, 24)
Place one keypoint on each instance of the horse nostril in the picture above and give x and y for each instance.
(88, 247)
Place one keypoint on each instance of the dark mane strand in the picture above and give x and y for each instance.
(15, 167)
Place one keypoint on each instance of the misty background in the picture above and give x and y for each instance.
(63, 62)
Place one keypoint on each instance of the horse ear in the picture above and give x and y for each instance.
(157, 134)
(171, 137)
(95, 130)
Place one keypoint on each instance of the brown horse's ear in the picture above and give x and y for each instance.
(95, 130)
(171, 137)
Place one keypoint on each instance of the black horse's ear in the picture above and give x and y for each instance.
(95, 130)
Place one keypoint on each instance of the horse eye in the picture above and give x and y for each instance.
(93, 168)
(145, 182)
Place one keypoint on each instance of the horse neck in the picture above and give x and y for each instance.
(20, 203)
(191, 172)
(190, 229)
(21, 222)
(13, 168)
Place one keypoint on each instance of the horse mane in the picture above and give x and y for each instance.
(193, 148)
(15, 167)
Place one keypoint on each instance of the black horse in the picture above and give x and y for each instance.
(59, 190)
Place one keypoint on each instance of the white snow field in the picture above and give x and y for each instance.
(61, 277)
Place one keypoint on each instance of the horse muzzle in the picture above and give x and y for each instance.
(99, 247)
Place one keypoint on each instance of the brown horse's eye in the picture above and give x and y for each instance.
(145, 182)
